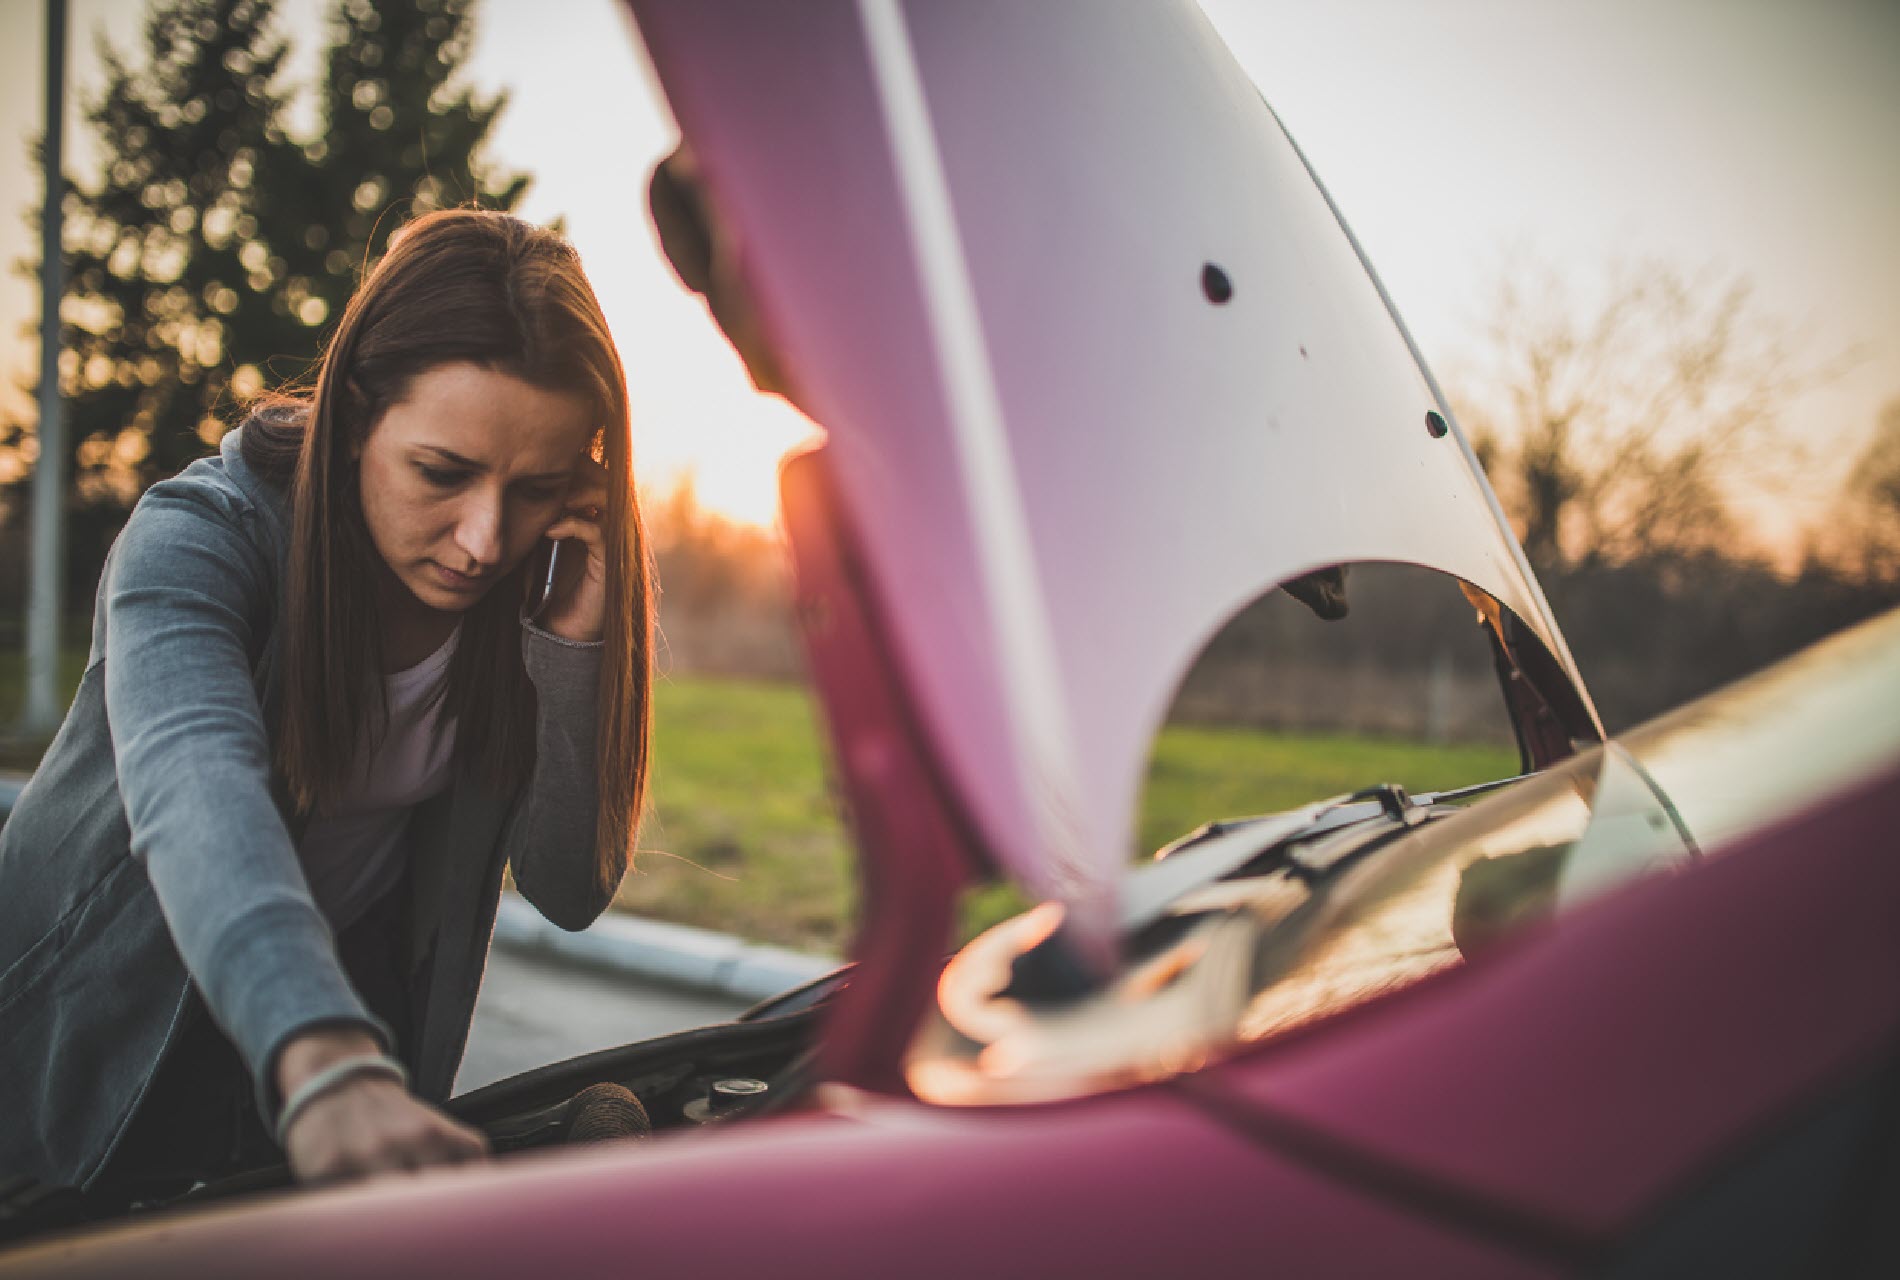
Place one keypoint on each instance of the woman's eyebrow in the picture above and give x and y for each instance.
(456, 458)
(449, 455)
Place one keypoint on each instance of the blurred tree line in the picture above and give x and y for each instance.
(725, 598)
(1630, 425)
(218, 240)
(1627, 424)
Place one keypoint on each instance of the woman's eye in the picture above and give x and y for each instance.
(438, 477)
(544, 493)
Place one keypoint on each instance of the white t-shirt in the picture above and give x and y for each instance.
(352, 851)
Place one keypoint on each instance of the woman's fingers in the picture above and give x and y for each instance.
(577, 607)
(585, 527)
(370, 1126)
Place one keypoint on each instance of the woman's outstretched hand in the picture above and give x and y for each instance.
(577, 610)
(364, 1124)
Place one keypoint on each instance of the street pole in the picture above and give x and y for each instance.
(43, 710)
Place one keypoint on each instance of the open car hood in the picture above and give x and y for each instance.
(1098, 364)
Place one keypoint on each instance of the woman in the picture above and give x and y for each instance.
(248, 893)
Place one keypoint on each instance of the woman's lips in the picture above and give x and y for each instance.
(458, 582)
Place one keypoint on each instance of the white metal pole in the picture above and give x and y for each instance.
(43, 711)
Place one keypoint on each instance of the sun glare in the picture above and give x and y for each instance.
(741, 485)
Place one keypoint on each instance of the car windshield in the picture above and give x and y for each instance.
(1344, 914)
(1453, 886)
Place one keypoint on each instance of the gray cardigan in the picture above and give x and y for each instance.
(153, 850)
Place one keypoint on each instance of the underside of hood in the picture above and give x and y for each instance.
(1098, 364)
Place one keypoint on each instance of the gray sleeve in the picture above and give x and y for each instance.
(550, 837)
(186, 594)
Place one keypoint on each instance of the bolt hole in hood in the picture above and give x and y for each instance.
(1097, 363)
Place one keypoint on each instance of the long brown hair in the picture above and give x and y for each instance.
(457, 286)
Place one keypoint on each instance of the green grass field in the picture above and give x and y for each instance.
(743, 831)
(744, 834)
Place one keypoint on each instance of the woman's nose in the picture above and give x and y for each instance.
(478, 535)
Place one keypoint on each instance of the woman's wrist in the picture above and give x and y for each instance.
(333, 1079)
(318, 1049)
(535, 627)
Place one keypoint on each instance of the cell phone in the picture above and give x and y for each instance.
(541, 572)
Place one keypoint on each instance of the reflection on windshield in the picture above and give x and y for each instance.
(1781, 740)
(1258, 954)
(1458, 885)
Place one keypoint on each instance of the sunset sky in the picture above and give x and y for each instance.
(1743, 136)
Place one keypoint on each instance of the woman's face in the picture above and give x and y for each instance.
(462, 476)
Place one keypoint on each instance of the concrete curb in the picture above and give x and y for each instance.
(655, 951)
(647, 950)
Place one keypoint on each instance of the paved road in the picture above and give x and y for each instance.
(534, 1011)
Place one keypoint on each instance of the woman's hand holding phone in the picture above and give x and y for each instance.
(576, 608)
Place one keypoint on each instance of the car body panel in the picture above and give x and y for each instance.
(800, 1197)
(976, 236)
(1580, 1074)
(895, 792)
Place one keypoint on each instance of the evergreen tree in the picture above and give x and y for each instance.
(169, 266)
(397, 135)
(213, 248)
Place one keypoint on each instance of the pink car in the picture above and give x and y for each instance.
(1099, 364)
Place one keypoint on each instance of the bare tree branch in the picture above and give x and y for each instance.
(1620, 417)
